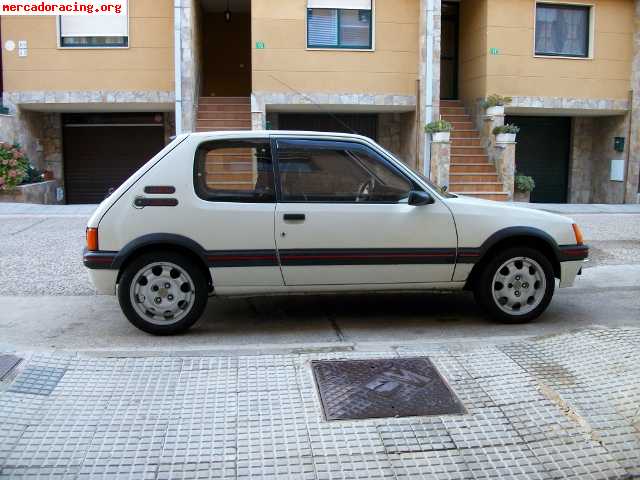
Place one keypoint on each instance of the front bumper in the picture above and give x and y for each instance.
(569, 271)
(101, 271)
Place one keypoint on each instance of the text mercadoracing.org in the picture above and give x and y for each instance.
(63, 7)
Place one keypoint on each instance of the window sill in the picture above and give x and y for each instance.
(338, 49)
(562, 57)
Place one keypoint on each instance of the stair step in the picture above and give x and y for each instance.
(462, 125)
(475, 186)
(224, 123)
(467, 177)
(445, 111)
(465, 134)
(467, 159)
(204, 115)
(221, 129)
(218, 100)
(224, 107)
(472, 168)
(457, 150)
(466, 142)
(496, 196)
(451, 103)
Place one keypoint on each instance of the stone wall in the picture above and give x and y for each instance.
(397, 133)
(591, 154)
(632, 189)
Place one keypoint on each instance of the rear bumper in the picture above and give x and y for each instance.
(102, 273)
(104, 281)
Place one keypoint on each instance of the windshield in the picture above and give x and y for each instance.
(437, 188)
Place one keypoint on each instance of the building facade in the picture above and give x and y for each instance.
(91, 102)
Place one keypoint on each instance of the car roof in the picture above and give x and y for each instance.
(270, 133)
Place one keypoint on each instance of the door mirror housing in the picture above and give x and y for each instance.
(418, 198)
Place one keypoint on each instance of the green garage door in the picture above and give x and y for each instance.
(543, 150)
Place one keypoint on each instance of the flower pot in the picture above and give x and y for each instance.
(495, 111)
(524, 197)
(48, 175)
(441, 137)
(506, 138)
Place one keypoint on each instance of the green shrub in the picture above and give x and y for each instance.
(13, 166)
(438, 126)
(508, 128)
(496, 100)
(32, 175)
(524, 183)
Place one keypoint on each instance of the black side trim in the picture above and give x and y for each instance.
(469, 255)
(98, 260)
(357, 256)
(570, 253)
(242, 258)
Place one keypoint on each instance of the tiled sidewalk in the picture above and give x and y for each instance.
(558, 407)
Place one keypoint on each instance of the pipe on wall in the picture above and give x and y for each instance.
(428, 87)
(177, 60)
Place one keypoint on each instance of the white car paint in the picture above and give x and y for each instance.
(460, 222)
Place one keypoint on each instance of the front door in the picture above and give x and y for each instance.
(343, 219)
(449, 51)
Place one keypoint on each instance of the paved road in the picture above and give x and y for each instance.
(47, 302)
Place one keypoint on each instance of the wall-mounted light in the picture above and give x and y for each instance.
(227, 13)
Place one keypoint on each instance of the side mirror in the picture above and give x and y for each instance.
(418, 198)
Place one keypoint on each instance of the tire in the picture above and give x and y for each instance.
(516, 286)
(163, 292)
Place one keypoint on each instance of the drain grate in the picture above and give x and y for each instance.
(37, 380)
(8, 363)
(401, 387)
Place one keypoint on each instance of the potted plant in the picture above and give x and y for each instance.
(506, 133)
(524, 185)
(13, 166)
(494, 104)
(440, 130)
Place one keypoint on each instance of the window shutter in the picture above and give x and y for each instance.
(94, 26)
(341, 4)
(323, 27)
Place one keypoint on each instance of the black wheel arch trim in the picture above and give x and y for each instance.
(513, 232)
(157, 239)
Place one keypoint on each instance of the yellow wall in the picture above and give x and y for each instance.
(516, 72)
(472, 81)
(391, 68)
(146, 65)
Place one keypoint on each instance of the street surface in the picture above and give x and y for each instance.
(91, 397)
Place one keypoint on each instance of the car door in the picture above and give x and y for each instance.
(343, 218)
(234, 218)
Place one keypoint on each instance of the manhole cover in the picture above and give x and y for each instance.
(401, 387)
(7, 363)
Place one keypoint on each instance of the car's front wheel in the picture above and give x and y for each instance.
(163, 293)
(516, 286)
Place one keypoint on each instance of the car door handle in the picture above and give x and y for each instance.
(294, 217)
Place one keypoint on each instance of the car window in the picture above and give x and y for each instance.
(318, 171)
(235, 171)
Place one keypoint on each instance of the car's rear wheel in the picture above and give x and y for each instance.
(163, 293)
(516, 286)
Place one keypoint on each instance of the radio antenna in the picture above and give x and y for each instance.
(317, 105)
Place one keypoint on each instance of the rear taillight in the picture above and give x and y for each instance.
(92, 239)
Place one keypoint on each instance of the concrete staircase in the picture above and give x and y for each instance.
(471, 173)
(223, 114)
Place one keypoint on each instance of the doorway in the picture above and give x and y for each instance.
(226, 48)
(450, 46)
(542, 152)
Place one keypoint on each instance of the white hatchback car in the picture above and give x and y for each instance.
(273, 212)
